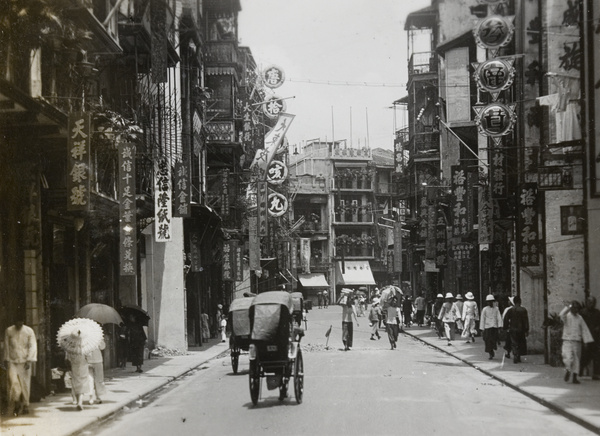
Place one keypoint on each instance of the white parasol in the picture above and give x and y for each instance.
(79, 336)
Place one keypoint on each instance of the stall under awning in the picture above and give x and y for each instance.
(316, 280)
(356, 272)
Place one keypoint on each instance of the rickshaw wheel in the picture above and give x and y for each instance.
(235, 359)
(254, 381)
(299, 377)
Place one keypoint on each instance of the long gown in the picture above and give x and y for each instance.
(80, 374)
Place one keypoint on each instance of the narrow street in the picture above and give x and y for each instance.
(371, 389)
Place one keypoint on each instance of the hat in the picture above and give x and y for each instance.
(449, 295)
(490, 297)
(220, 306)
(512, 300)
(375, 302)
(459, 297)
(439, 296)
(469, 296)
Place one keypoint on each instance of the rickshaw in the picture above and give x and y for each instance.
(240, 329)
(275, 345)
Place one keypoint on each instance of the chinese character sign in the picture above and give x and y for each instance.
(127, 210)
(273, 106)
(78, 146)
(162, 200)
(182, 191)
(238, 261)
(485, 228)
(460, 225)
(195, 251)
(227, 264)
(273, 140)
(494, 32)
(527, 220)
(277, 204)
(441, 239)
(262, 198)
(397, 247)
(494, 75)
(495, 119)
(305, 255)
(276, 172)
(225, 193)
(273, 76)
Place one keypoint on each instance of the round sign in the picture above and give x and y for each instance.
(495, 119)
(273, 76)
(276, 172)
(273, 106)
(494, 32)
(277, 204)
(494, 75)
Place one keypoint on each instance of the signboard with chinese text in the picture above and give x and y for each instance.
(182, 191)
(262, 199)
(195, 251)
(273, 140)
(398, 247)
(460, 226)
(238, 261)
(273, 76)
(527, 226)
(127, 210)
(253, 244)
(441, 239)
(225, 193)
(162, 200)
(276, 172)
(494, 32)
(273, 106)
(494, 75)
(431, 227)
(78, 171)
(277, 204)
(485, 227)
(305, 255)
(227, 260)
(462, 251)
(495, 119)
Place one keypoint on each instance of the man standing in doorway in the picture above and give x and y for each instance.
(20, 351)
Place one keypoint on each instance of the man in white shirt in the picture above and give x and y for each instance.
(20, 351)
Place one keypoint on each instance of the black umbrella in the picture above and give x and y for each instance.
(139, 314)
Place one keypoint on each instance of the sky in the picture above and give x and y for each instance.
(326, 48)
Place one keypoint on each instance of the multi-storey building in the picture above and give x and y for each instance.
(339, 193)
(155, 80)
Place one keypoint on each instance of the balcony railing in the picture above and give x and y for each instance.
(354, 217)
(422, 63)
(222, 52)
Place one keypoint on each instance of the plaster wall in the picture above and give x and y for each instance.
(564, 253)
(455, 18)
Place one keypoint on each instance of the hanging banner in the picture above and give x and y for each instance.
(162, 200)
(527, 226)
(441, 240)
(78, 146)
(273, 76)
(273, 140)
(225, 193)
(462, 251)
(494, 75)
(182, 190)
(494, 32)
(277, 204)
(460, 225)
(498, 173)
(305, 255)
(276, 172)
(431, 227)
(227, 260)
(127, 211)
(253, 244)
(397, 248)
(238, 261)
(158, 43)
(262, 199)
(495, 119)
(485, 227)
(195, 251)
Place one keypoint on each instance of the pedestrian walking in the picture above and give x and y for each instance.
(374, 315)
(122, 345)
(80, 376)
(591, 353)
(505, 323)
(96, 368)
(437, 307)
(490, 322)
(392, 324)
(470, 316)
(20, 352)
(575, 331)
(516, 321)
(205, 327)
(223, 328)
(420, 306)
(459, 305)
(348, 311)
(448, 315)
(320, 300)
(217, 324)
(137, 341)
(407, 310)
(326, 299)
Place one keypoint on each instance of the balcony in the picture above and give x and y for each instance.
(221, 52)
(353, 217)
(351, 153)
(422, 63)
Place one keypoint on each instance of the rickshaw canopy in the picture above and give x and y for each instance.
(240, 318)
(297, 299)
(267, 313)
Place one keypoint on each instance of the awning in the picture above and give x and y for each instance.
(357, 272)
(316, 280)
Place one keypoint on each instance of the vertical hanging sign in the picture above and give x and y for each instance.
(127, 210)
(262, 199)
(158, 27)
(228, 250)
(225, 193)
(195, 251)
(253, 243)
(162, 200)
(305, 255)
(485, 227)
(78, 146)
(182, 190)
(527, 228)
(238, 261)
(460, 225)
(441, 240)
(398, 247)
